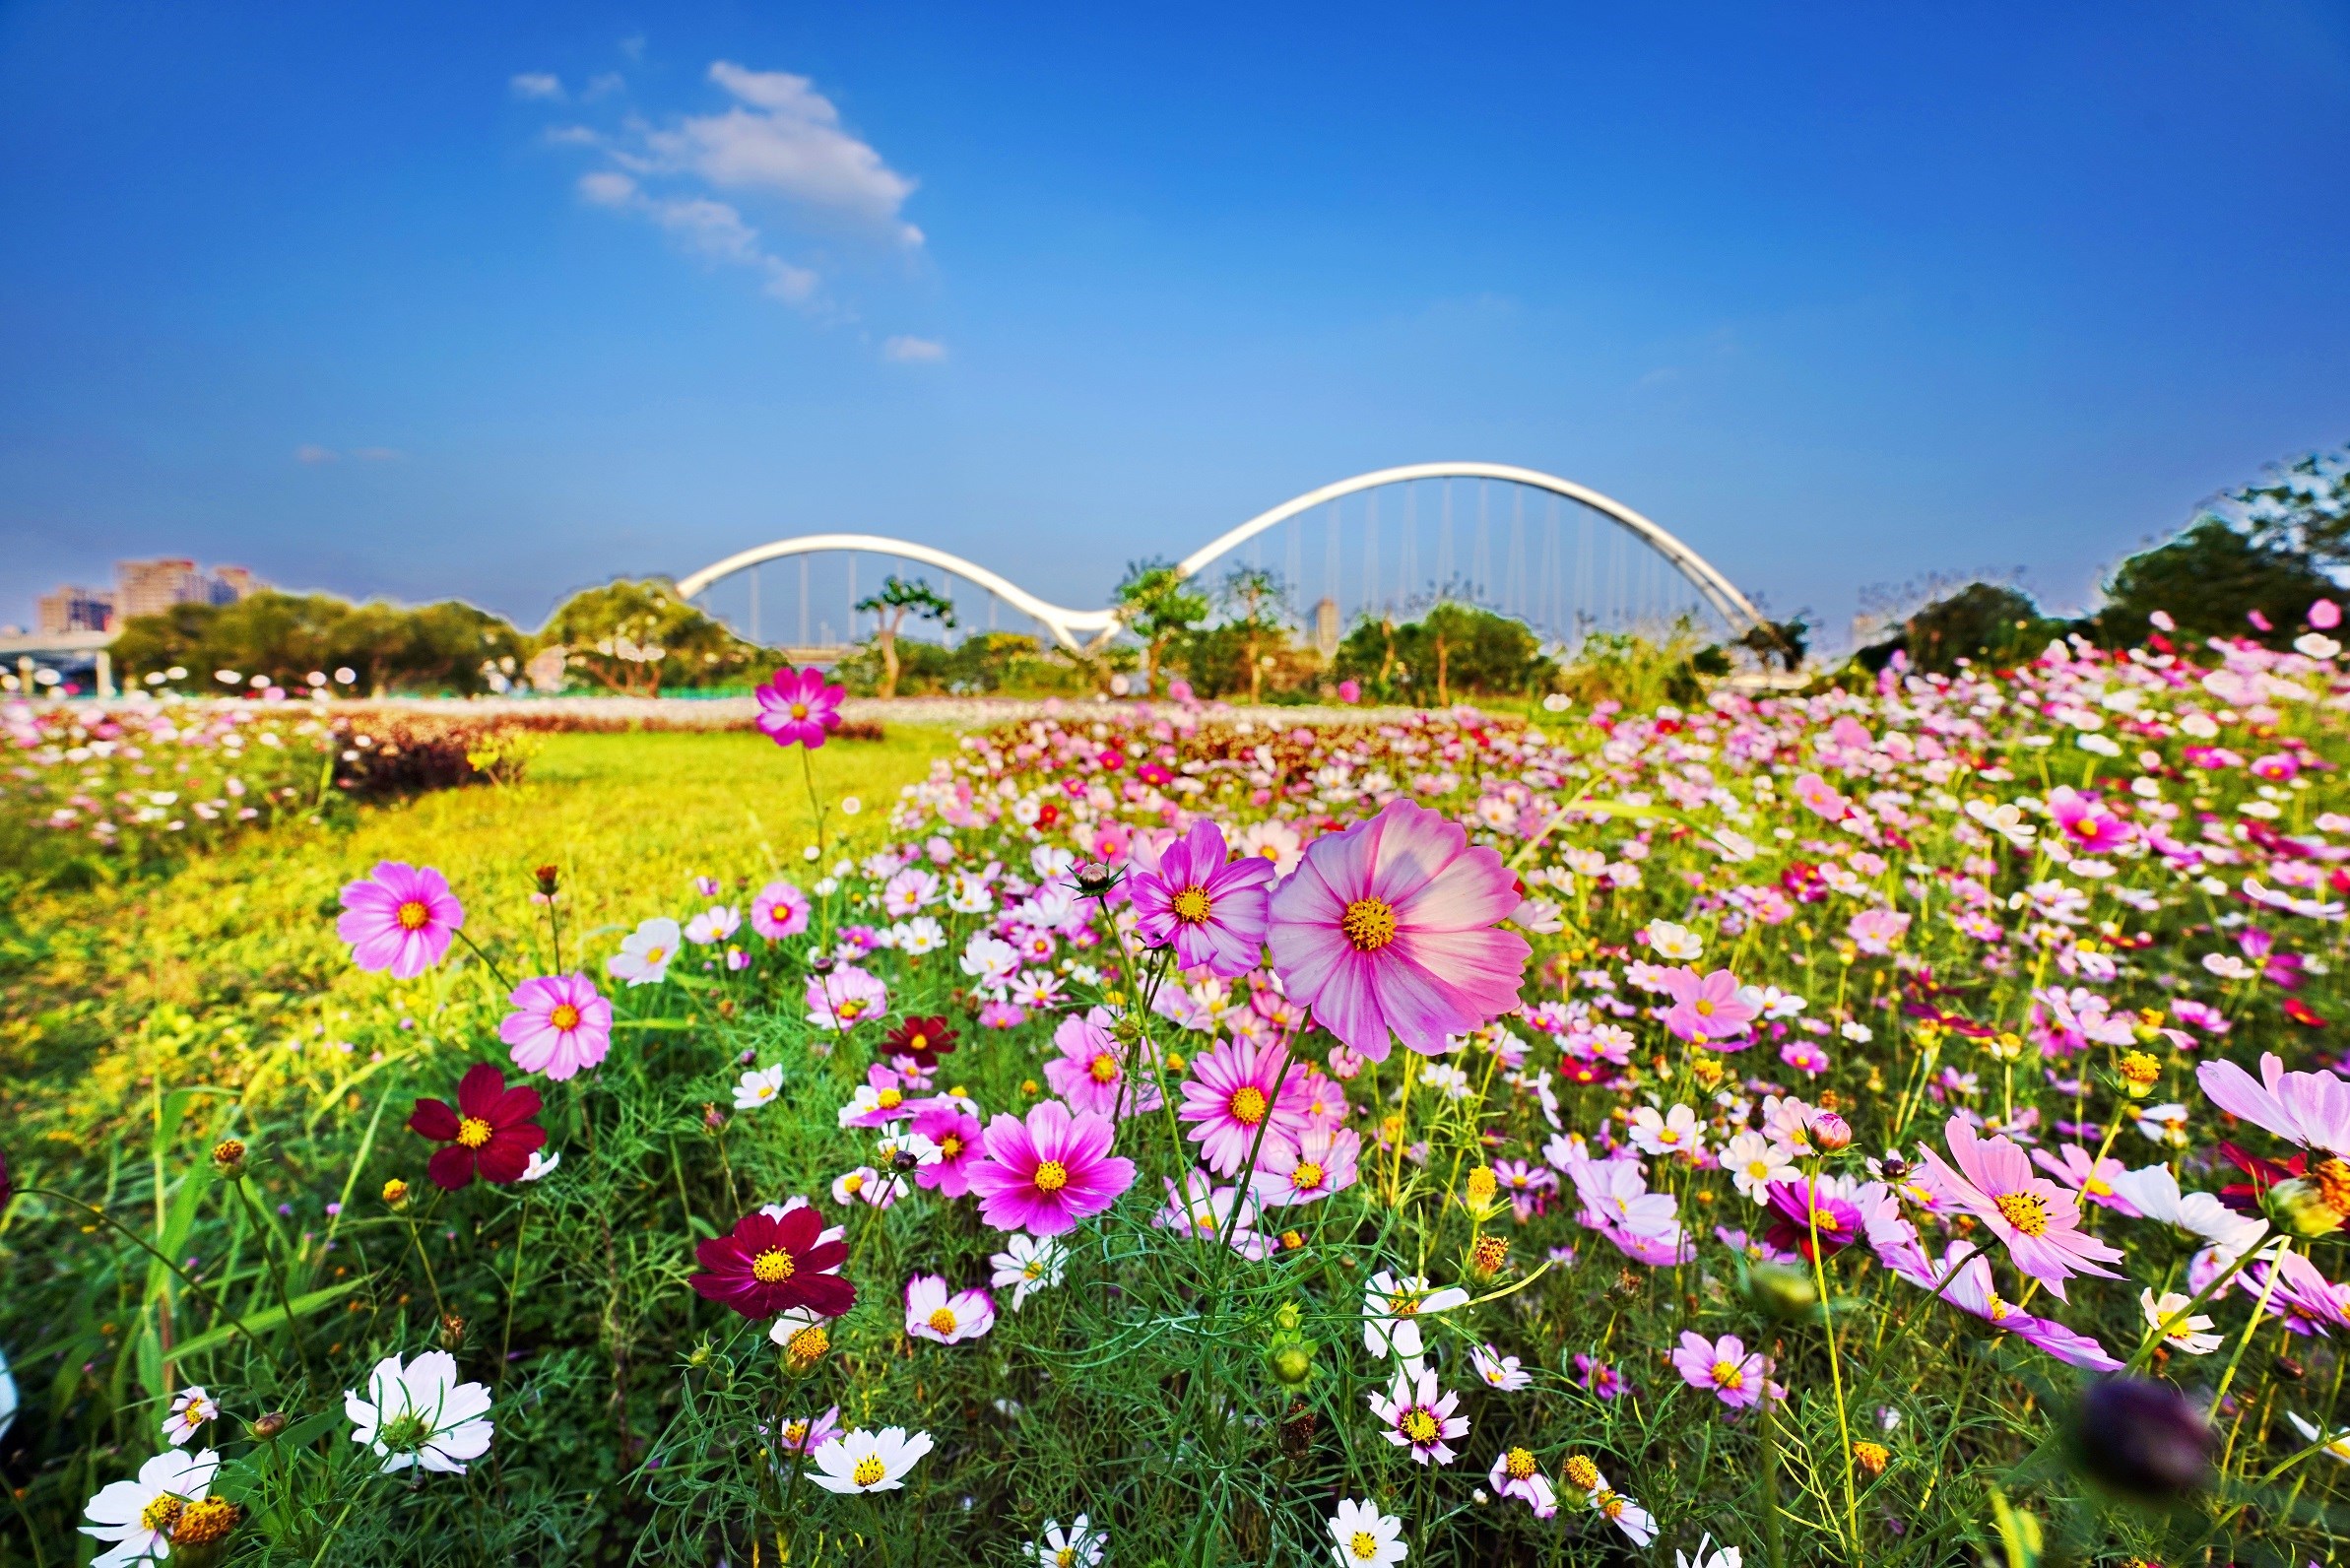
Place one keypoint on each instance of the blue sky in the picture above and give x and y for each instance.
(499, 300)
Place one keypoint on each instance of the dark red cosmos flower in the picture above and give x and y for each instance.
(2301, 1012)
(489, 1133)
(770, 1266)
(923, 1039)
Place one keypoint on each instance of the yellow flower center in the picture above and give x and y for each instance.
(1364, 1546)
(1248, 1105)
(1419, 1425)
(1050, 1176)
(942, 1321)
(917, 1043)
(870, 1470)
(162, 1514)
(799, 710)
(847, 1012)
(472, 1132)
(1580, 1473)
(1702, 1007)
(1191, 905)
(205, 1520)
(1104, 1068)
(795, 1432)
(1066, 1557)
(771, 1266)
(951, 1145)
(1609, 1504)
(1306, 1177)
(1519, 1465)
(654, 956)
(1728, 1375)
(2332, 1177)
(887, 1099)
(804, 1349)
(565, 1016)
(852, 1183)
(413, 914)
(2026, 1211)
(1368, 925)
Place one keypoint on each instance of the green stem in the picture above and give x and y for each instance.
(144, 1245)
(276, 1271)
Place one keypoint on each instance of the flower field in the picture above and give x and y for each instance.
(1899, 1123)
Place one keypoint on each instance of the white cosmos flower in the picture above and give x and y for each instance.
(988, 960)
(918, 936)
(757, 1088)
(645, 952)
(869, 1462)
(1363, 1536)
(1675, 1132)
(137, 1516)
(1626, 1514)
(1676, 942)
(191, 1407)
(949, 1318)
(2168, 1317)
(1028, 1264)
(542, 1165)
(1754, 1162)
(2338, 1446)
(1499, 1371)
(8, 1395)
(1393, 1308)
(421, 1414)
(1720, 1557)
(1080, 1546)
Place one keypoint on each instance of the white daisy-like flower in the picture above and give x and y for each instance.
(542, 1165)
(421, 1414)
(1364, 1537)
(869, 1462)
(1393, 1308)
(191, 1407)
(1499, 1372)
(1028, 1264)
(2338, 1446)
(645, 952)
(1080, 1546)
(1754, 1162)
(2168, 1317)
(1676, 942)
(139, 1516)
(759, 1087)
(713, 925)
(1625, 1514)
(918, 936)
(1719, 1556)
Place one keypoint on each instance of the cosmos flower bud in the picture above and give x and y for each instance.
(1095, 878)
(546, 877)
(2302, 1207)
(2140, 1072)
(266, 1428)
(1830, 1132)
(395, 1192)
(1779, 1290)
(452, 1330)
(1286, 1317)
(1297, 1429)
(2140, 1440)
(1488, 1255)
(1293, 1366)
(712, 1119)
(820, 961)
(228, 1158)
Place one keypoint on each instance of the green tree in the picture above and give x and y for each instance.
(1256, 610)
(635, 637)
(2209, 579)
(1158, 606)
(2301, 507)
(1450, 648)
(897, 600)
(1982, 623)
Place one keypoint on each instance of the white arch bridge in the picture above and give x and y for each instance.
(1582, 562)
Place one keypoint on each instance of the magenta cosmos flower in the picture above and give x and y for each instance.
(399, 917)
(1211, 909)
(1045, 1174)
(2039, 1220)
(1391, 929)
(1089, 1072)
(1726, 1369)
(1233, 1090)
(772, 1263)
(796, 708)
(559, 1024)
(948, 1122)
(489, 1134)
(780, 910)
(1707, 1007)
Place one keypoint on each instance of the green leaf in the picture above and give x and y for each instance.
(268, 1318)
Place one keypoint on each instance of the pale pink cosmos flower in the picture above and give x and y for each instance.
(1821, 797)
(1501, 1373)
(2311, 1109)
(2087, 1176)
(1232, 1091)
(1203, 1212)
(1418, 1415)
(1677, 1132)
(910, 891)
(2039, 1220)
(1091, 1071)
(1211, 909)
(1044, 1174)
(1966, 1280)
(1516, 1473)
(1390, 930)
(796, 708)
(1318, 1161)
(1707, 1008)
(780, 910)
(560, 1024)
(845, 998)
(1726, 1369)
(400, 918)
(1877, 930)
(933, 1312)
(801, 1435)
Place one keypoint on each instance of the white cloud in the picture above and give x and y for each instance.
(633, 47)
(378, 454)
(913, 351)
(709, 228)
(307, 453)
(536, 85)
(601, 86)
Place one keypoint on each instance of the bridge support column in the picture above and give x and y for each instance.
(105, 674)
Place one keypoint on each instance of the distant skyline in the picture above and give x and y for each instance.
(496, 302)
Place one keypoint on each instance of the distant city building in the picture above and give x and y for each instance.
(150, 587)
(1325, 628)
(72, 609)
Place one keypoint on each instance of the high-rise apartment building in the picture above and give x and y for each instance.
(150, 587)
(72, 609)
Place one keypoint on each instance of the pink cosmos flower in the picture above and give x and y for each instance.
(800, 1435)
(2311, 1109)
(2303, 1298)
(1804, 1208)
(2038, 1221)
(1319, 1161)
(2092, 829)
(1726, 1369)
(1203, 1212)
(1391, 929)
(796, 708)
(845, 998)
(2326, 615)
(1209, 908)
(1089, 1072)
(2086, 1176)
(1516, 1474)
(1231, 1093)
(1970, 1289)
(949, 1318)
(780, 910)
(1822, 797)
(1877, 930)
(561, 1024)
(1045, 1174)
(1419, 1416)
(950, 1124)
(400, 918)
(1710, 1008)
